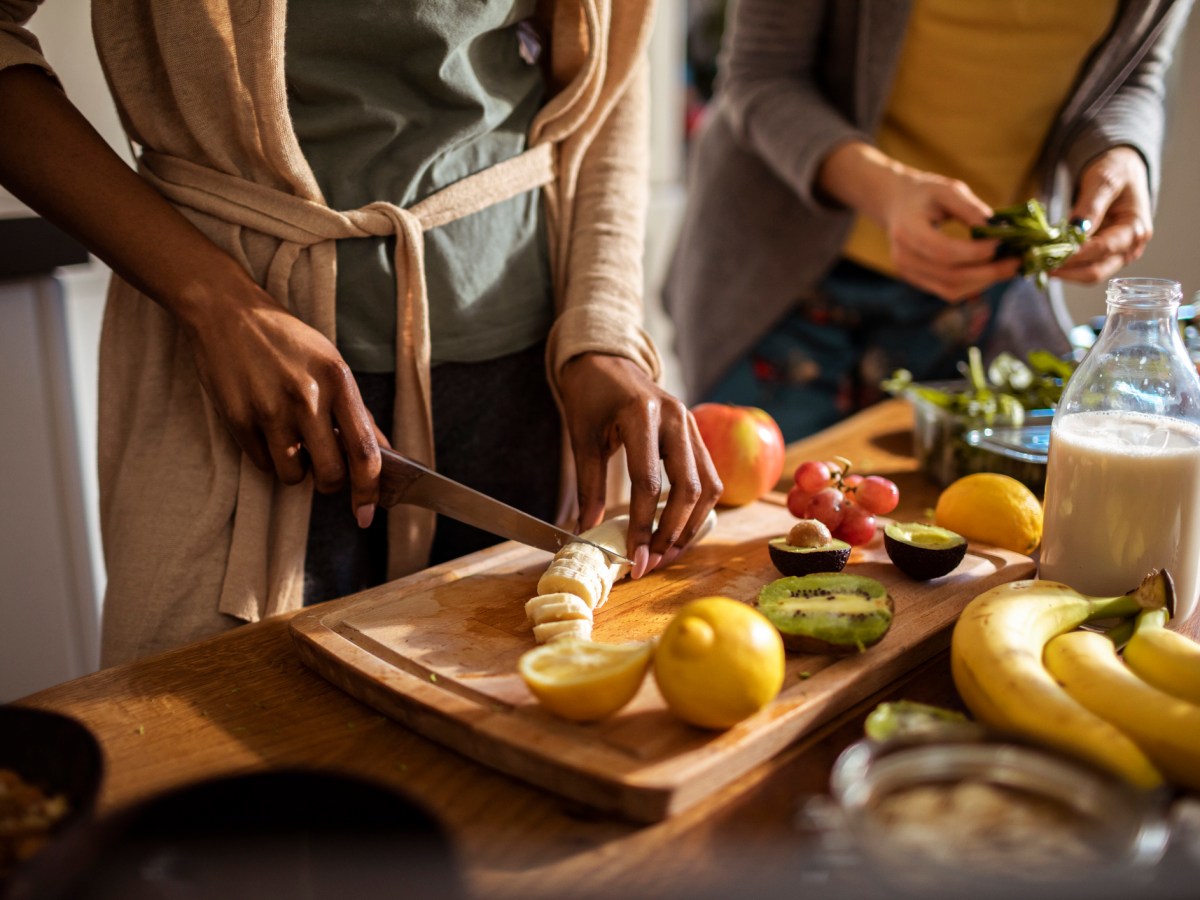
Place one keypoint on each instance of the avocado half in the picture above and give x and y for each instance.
(827, 613)
(923, 551)
(793, 560)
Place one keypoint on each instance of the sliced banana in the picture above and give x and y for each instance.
(572, 577)
(552, 631)
(556, 608)
(579, 578)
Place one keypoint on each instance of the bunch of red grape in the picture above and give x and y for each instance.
(847, 504)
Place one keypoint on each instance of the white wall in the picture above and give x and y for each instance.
(51, 567)
(1172, 252)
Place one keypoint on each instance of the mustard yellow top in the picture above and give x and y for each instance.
(977, 87)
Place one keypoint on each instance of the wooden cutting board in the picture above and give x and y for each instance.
(438, 652)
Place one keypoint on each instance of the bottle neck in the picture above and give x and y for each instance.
(1147, 308)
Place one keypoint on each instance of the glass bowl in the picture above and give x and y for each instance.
(948, 446)
(986, 813)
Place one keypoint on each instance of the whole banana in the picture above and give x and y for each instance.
(996, 660)
(1166, 659)
(1166, 728)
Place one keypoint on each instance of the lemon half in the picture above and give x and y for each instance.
(585, 680)
(992, 509)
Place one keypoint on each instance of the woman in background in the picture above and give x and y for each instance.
(850, 147)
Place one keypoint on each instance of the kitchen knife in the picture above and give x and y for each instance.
(404, 480)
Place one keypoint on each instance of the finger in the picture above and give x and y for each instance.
(591, 480)
(1110, 249)
(254, 446)
(1097, 264)
(710, 493)
(325, 453)
(679, 460)
(380, 438)
(938, 247)
(357, 434)
(641, 442)
(1097, 191)
(285, 448)
(957, 283)
(960, 201)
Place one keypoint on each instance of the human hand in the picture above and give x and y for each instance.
(1113, 195)
(285, 393)
(610, 402)
(952, 268)
(911, 205)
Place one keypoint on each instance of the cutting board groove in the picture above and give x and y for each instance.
(438, 652)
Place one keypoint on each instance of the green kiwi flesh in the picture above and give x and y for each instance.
(909, 720)
(923, 551)
(827, 613)
(792, 560)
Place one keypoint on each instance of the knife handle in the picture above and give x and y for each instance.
(396, 476)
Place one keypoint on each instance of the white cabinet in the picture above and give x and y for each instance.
(49, 608)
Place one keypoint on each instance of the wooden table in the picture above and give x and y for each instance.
(243, 701)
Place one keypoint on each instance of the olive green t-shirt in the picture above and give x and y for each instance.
(392, 101)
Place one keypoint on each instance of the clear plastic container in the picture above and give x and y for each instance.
(948, 446)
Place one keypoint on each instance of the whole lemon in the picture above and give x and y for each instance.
(718, 662)
(992, 509)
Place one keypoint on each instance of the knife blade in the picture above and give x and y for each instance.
(404, 480)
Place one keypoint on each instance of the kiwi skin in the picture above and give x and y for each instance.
(837, 640)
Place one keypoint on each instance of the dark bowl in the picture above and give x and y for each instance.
(280, 833)
(57, 755)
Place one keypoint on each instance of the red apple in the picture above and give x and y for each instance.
(746, 446)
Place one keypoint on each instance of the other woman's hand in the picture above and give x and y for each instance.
(911, 206)
(1114, 196)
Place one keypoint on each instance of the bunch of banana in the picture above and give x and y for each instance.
(1165, 727)
(1165, 659)
(579, 579)
(996, 657)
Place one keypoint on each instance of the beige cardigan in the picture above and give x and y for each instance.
(196, 538)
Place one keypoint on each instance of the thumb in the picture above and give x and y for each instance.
(1096, 194)
(960, 201)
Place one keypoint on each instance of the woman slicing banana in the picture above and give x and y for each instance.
(353, 224)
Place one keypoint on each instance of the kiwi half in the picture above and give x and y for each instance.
(922, 551)
(827, 613)
(792, 560)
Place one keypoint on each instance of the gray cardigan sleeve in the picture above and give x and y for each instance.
(769, 91)
(1134, 113)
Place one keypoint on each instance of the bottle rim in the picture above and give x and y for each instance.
(1144, 293)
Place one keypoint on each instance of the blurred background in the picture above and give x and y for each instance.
(52, 297)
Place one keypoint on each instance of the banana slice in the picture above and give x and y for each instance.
(567, 576)
(556, 608)
(579, 578)
(552, 631)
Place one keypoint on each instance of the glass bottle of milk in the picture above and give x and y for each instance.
(1123, 478)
